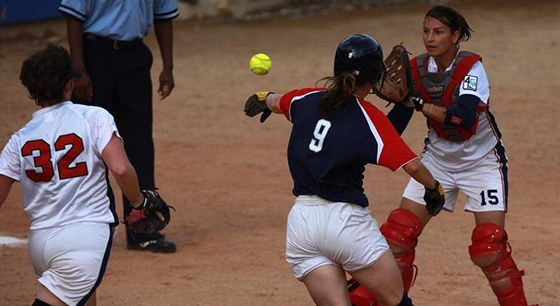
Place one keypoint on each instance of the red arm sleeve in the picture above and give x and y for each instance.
(290, 97)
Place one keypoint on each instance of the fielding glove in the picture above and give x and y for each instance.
(435, 199)
(151, 216)
(256, 104)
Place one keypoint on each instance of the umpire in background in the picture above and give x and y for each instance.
(105, 40)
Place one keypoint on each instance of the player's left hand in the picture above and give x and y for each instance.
(166, 84)
(435, 199)
(256, 104)
(151, 216)
(397, 85)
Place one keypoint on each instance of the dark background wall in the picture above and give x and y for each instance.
(20, 11)
(16, 11)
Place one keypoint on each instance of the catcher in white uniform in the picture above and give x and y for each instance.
(463, 151)
(60, 158)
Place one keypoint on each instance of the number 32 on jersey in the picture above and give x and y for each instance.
(44, 162)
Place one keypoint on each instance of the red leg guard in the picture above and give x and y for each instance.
(359, 295)
(401, 231)
(491, 251)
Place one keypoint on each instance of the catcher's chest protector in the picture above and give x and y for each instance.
(442, 88)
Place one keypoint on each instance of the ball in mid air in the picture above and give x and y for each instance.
(260, 64)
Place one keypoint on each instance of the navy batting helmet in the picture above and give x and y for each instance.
(361, 55)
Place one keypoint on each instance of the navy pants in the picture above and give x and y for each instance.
(122, 85)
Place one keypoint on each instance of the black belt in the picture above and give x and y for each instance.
(116, 44)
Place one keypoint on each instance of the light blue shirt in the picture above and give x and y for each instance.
(119, 19)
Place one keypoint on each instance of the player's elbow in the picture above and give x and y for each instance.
(413, 167)
(5, 186)
(465, 113)
(121, 169)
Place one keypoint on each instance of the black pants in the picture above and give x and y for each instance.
(122, 85)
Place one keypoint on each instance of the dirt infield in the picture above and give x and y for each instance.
(227, 175)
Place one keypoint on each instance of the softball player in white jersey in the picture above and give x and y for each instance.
(472, 165)
(463, 151)
(60, 159)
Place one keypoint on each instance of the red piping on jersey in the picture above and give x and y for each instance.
(395, 153)
(289, 98)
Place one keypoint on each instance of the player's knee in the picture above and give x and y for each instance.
(401, 231)
(489, 246)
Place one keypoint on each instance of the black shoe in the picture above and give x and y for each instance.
(157, 244)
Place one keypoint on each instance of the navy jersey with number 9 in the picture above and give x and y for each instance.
(327, 156)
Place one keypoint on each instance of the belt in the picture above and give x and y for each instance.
(116, 44)
(312, 200)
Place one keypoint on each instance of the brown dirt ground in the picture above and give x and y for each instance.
(228, 178)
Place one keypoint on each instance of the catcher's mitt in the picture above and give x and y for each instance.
(397, 86)
(152, 216)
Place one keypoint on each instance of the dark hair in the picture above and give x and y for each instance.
(340, 90)
(453, 19)
(45, 74)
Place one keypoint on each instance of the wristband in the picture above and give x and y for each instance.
(142, 203)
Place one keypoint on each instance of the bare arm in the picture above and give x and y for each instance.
(273, 102)
(5, 186)
(463, 114)
(164, 35)
(416, 169)
(83, 89)
(434, 112)
(116, 159)
(434, 196)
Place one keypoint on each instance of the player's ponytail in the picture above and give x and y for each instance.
(340, 90)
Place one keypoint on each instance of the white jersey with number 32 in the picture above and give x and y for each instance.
(57, 159)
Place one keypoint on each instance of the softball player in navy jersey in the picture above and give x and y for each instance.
(463, 151)
(60, 158)
(335, 134)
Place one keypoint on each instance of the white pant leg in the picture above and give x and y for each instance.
(323, 232)
(71, 260)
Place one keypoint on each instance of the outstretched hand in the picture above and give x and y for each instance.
(256, 104)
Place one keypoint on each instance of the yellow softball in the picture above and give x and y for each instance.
(260, 64)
